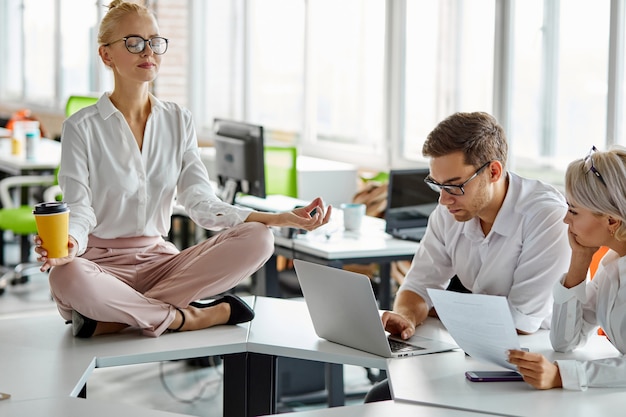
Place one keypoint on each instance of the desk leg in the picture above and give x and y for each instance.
(249, 385)
(25, 242)
(83, 392)
(266, 280)
(384, 293)
(334, 385)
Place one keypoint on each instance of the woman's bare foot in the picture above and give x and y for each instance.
(108, 327)
(84, 327)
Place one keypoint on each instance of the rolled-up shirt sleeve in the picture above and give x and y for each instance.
(578, 312)
(569, 330)
(600, 373)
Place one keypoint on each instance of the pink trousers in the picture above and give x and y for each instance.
(139, 281)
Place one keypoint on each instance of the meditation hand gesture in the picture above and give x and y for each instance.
(309, 217)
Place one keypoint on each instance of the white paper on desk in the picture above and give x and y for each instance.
(480, 324)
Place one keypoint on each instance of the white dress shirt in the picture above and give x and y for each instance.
(116, 190)
(521, 258)
(579, 311)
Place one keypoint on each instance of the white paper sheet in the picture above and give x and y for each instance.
(480, 324)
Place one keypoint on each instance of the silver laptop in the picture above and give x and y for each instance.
(409, 203)
(344, 310)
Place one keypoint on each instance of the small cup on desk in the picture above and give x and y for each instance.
(353, 215)
(53, 227)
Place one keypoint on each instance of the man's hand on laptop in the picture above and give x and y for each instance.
(397, 324)
(409, 311)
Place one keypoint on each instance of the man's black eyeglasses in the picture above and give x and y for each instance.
(454, 189)
(137, 44)
(589, 166)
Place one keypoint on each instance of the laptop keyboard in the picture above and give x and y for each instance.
(399, 346)
(410, 234)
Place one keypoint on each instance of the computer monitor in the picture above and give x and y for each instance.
(239, 155)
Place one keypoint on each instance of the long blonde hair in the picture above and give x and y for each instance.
(603, 197)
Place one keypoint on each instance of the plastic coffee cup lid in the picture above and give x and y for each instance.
(53, 207)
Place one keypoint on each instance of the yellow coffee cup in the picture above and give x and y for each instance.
(53, 227)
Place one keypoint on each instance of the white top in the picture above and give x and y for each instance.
(578, 311)
(116, 190)
(521, 258)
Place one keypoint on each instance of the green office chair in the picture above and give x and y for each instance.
(281, 175)
(75, 103)
(19, 220)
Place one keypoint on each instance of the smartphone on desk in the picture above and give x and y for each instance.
(493, 376)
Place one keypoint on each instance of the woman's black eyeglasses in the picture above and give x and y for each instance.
(454, 189)
(589, 166)
(137, 44)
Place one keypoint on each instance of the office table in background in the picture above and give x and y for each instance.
(332, 245)
(48, 158)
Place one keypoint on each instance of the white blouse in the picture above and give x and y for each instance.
(579, 311)
(115, 190)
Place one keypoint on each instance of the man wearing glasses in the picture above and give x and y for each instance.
(499, 233)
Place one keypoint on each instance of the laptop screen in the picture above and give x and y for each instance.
(409, 199)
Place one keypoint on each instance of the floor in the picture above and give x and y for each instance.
(192, 387)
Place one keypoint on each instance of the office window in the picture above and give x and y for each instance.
(560, 86)
(351, 80)
(11, 75)
(50, 49)
(217, 57)
(345, 72)
(39, 47)
(276, 64)
(79, 46)
(448, 65)
(312, 70)
(582, 88)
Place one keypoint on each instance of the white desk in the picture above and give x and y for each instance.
(67, 406)
(333, 242)
(439, 380)
(284, 328)
(48, 158)
(275, 203)
(39, 357)
(385, 408)
(42, 366)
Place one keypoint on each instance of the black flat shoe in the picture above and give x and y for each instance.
(240, 311)
(82, 326)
